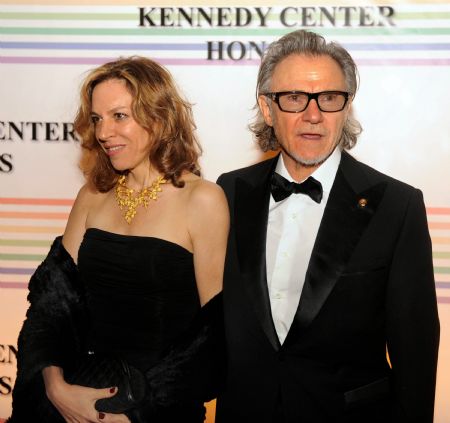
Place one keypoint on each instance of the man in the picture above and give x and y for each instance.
(320, 285)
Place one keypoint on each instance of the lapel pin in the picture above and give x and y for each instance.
(362, 203)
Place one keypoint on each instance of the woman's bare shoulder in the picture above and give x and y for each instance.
(205, 192)
(206, 202)
(87, 194)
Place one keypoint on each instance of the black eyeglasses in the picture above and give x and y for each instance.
(297, 101)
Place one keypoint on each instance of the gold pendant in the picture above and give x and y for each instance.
(126, 200)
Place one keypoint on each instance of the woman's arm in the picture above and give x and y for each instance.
(208, 226)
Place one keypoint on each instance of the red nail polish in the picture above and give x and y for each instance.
(112, 390)
(101, 416)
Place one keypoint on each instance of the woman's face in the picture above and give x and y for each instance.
(124, 141)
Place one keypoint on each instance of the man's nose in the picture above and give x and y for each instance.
(312, 113)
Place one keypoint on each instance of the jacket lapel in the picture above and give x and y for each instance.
(351, 205)
(251, 214)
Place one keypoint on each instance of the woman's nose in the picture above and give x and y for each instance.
(104, 129)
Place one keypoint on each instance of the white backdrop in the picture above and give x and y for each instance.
(402, 103)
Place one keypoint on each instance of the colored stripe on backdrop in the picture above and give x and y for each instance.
(439, 225)
(16, 271)
(25, 243)
(38, 201)
(443, 300)
(438, 210)
(22, 257)
(205, 62)
(185, 32)
(120, 16)
(201, 46)
(440, 240)
(32, 229)
(99, 61)
(249, 3)
(34, 215)
(441, 255)
(14, 285)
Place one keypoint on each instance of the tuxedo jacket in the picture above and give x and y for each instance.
(369, 289)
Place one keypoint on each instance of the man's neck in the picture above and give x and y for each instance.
(298, 171)
(324, 172)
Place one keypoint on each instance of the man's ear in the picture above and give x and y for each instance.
(348, 107)
(264, 106)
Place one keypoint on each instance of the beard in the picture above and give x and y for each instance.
(315, 162)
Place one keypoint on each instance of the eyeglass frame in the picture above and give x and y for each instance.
(275, 96)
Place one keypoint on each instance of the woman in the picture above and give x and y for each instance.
(143, 250)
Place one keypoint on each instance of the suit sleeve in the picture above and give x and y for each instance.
(227, 184)
(412, 318)
(221, 181)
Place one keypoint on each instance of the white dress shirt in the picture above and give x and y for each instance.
(291, 232)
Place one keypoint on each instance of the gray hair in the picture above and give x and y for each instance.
(311, 44)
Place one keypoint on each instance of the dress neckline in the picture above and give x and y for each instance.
(115, 235)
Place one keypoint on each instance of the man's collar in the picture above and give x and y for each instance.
(325, 173)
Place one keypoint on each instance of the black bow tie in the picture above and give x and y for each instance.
(281, 188)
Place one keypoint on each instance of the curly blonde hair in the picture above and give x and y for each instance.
(157, 106)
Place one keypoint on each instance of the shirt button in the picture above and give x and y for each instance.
(277, 296)
(294, 216)
(285, 254)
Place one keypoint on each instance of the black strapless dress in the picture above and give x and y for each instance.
(141, 296)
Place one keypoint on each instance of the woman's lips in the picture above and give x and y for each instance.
(113, 149)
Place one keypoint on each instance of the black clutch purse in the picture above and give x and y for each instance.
(102, 371)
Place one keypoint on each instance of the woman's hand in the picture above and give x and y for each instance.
(75, 403)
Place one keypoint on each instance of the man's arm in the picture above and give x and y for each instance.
(412, 318)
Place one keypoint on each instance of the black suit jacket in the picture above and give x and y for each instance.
(369, 286)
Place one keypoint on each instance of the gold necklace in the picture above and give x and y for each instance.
(126, 200)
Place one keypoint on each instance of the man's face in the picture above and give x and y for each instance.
(307, 138)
